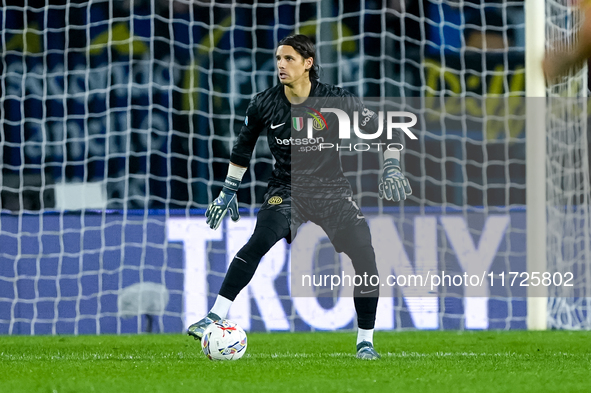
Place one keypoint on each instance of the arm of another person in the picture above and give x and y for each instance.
(558, 62)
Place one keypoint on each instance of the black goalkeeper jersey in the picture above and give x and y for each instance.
(305, 161)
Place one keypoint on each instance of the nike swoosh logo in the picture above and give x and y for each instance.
(237, 257)
(366, 292)
(273, 126)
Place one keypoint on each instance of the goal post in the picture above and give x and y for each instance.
(535, 92)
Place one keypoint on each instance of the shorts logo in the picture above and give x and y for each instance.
(275, 200)
(298, 123)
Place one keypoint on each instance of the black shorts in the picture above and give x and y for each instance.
(332, 214)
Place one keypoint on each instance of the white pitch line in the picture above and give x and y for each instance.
(86, 356)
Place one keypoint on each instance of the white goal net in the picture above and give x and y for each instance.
(567, 169)
(118, 118)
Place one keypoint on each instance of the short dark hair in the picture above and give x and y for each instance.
(306, 48)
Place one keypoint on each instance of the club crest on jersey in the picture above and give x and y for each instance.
(318, 125)
(275, 200)
(319, 122)
(298, 123)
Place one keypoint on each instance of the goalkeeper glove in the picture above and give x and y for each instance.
(227, 200)
(393, 185)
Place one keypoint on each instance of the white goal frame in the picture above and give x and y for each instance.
(535, 87)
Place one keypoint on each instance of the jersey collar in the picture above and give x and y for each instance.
(312, 92)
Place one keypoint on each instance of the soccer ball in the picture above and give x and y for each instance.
(224, 340)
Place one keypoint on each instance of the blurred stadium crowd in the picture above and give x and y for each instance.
(146, 95)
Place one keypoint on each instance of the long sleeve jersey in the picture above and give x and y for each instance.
(305, 160)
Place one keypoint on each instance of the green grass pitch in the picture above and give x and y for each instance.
(515, 361)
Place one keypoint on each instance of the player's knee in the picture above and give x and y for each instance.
(274, 221)
(257, 246)
(356, 243)
(349, 239)
(364, 261)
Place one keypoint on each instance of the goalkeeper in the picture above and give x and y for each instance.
(306, 184)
